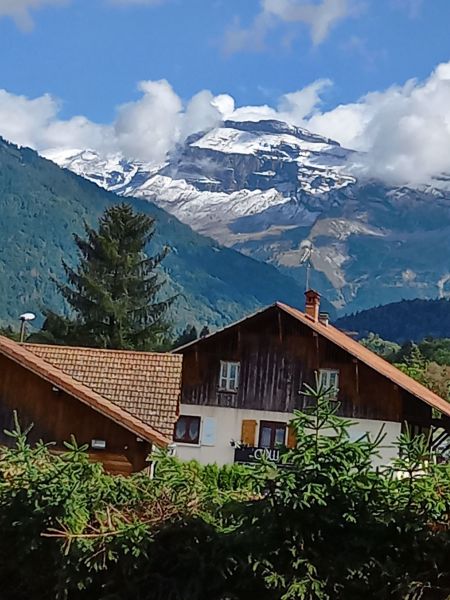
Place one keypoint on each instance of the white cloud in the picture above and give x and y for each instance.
(321, 17)
(20, 10)
(35, 123)
(149, 128)
(202, 112)
(146, 129)
(403, 132)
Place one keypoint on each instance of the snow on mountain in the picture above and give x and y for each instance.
(266, 188)
(237, 170)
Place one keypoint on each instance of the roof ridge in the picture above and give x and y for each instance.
(89, 349)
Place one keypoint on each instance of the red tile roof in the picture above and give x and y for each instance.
(29, 357)
(146, 384)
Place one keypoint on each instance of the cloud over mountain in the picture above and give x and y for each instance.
(403, 132)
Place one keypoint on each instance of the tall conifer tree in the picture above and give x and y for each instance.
(114, 291)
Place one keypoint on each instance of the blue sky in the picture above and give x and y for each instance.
(91, 54)
(65, 58)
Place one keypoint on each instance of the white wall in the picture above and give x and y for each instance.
(224, 424)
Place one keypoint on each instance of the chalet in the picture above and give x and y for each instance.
(119, 403)
(241, 385)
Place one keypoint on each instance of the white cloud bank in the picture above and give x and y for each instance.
(320, 17)
(403, 133)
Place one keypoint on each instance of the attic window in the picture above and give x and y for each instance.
(329, 380)
(229, 376)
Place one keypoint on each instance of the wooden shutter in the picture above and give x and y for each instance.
(291, 437)
(248, 432)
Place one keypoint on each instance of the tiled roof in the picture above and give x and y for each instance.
(145, 384)
(65, 382)
(354, 348)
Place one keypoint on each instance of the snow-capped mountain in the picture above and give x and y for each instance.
(267, 188)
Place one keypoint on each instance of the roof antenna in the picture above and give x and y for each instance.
(305, 259)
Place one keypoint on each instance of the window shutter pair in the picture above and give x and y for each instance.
(248, 434)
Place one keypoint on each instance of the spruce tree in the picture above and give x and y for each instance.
(188, 335)
(205, 331)
(114, 292)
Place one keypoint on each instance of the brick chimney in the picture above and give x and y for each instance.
(312, 305)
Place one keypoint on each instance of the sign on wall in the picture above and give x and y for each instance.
(253, 455)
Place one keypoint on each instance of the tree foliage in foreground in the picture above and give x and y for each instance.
(114, 293)
(325, 524)
(427, 362)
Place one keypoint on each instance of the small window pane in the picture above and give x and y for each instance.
(181, 427)
(329, 378)
(279, 436)
(194, 430)
(265, 437)
(229, 376)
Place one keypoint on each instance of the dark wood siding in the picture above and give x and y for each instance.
(56, 416)
(278, 355)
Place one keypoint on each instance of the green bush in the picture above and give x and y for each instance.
(324, 524)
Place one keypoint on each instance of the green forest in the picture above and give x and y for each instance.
(44, 205)
(408, 320)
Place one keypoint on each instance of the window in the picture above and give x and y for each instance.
(229, 376)
(271, 434)
(187, 430)
(329, 380)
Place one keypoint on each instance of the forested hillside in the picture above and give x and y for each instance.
(402, 321)
(42, 205)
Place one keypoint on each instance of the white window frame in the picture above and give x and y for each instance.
(227, 383)
(329, 378)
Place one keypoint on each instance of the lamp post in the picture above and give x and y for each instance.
(23, 321)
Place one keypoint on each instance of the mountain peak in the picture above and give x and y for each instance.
(277, 127)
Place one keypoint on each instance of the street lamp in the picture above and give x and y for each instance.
(23, 320)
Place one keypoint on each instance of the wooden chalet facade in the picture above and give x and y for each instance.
(120, 404)
(242, 384)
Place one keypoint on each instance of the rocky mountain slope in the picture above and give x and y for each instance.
(42, 205)
(277, 192)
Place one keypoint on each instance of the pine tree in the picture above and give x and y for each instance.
(189, 335)
(114, 292)
(205, 331)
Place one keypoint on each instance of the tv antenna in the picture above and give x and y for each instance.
(305, 259)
